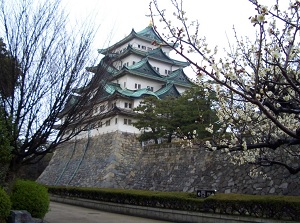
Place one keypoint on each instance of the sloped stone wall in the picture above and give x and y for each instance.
(187, 169)
(117, 160)
(103, 161)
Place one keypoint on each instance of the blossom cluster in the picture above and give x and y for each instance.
(257, 83)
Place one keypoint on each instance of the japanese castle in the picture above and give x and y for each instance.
(136, 67)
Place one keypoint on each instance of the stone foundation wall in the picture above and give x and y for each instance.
(117, 160)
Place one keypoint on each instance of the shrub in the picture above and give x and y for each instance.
(30, 196)
(268, 206)
(5, 205)
(171, 200)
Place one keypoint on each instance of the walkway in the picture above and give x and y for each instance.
(64, 213)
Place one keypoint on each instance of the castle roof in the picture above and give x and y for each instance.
(114, 90)
(179, 77)
(148, 34)
(142, 68)
(167, 90)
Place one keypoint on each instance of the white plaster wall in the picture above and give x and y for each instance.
(144, 82)
(181, 89)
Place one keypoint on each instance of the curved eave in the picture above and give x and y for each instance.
(136, 93)
(115, 91)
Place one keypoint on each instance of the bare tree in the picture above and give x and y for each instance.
(257, 83)
(52, 89)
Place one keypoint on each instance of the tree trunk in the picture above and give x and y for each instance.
(11, 175)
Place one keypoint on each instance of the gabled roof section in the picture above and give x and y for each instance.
(168, 90)
(179, 77)
(142, 68)
(147, 34)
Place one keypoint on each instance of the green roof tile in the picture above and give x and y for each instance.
(149, 33)
(178, 76)
(168, 90)
(113, 88)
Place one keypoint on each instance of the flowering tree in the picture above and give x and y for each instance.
(257, 83)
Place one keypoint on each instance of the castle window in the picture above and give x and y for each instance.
(107, 123)
(150, 88)
(143, 47)
(127, 105)
(166, 71)
(137, 86)
(133, 62)
(127, 121)
(100, 124)
(116, 121)
(139, 46)
(124, 84)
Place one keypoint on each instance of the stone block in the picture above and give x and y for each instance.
(272, 190)
(284, 185)
(22, 216)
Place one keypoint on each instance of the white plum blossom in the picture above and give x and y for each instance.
(256, 83)
(276, 54)
(261, 18)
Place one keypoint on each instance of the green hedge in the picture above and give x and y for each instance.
(171, 200)
(30, 196)
(5, 205)
(278, 207)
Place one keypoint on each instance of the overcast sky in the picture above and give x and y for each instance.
(116, 18)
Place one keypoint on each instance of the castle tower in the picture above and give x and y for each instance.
(137, 66)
